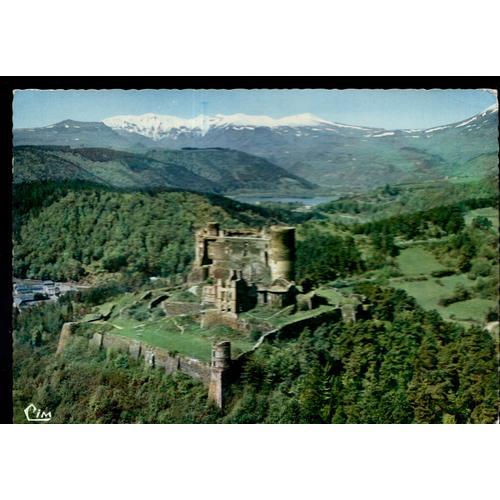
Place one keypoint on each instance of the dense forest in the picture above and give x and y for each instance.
(435, 222)
(322, 256)
(64, 231)
(403, 365)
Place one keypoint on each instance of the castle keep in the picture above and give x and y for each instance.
(243, 268)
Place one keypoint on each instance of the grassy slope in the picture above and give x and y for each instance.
(182, 335)
(416, 261)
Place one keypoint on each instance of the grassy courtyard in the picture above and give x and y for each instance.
(181, 335)
(131, 318)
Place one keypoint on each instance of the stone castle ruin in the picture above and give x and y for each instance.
(234, 271)
(240, 269)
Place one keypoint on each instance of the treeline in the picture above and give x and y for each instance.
(28, 198)
(66, 231)
(325, 257)
(446, 219)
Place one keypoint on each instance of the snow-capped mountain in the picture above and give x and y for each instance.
(158, 127)
(470, 123)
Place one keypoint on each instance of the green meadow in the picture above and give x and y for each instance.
(417, 260)
(490, 213)
(428, 290)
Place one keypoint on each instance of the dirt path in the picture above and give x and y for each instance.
(180, 327)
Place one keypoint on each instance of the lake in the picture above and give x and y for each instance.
(257, 200)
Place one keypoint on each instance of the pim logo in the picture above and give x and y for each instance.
(34, 414)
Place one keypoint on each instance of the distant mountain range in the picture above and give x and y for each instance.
(213, 170)
(160, 127)
(323, 152)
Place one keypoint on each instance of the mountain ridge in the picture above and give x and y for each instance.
(163, 123)
(209, 171)
(156, 126)
(333, 155)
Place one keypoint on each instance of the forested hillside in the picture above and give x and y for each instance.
(406, 198)
(213, 170)
(64, 231)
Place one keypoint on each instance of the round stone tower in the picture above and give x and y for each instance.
(221, 355)
(221, 362)
(282, 252)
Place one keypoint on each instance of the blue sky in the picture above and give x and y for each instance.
(389, 109)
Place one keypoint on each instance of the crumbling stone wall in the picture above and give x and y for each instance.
(179, 308)
(65, 336)
(194, 368)
(115, 342)
(294, 329)
(166, 361)
(135, 349)
(96, 340)
(154, 357)
(213, 317)
(310, 301)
